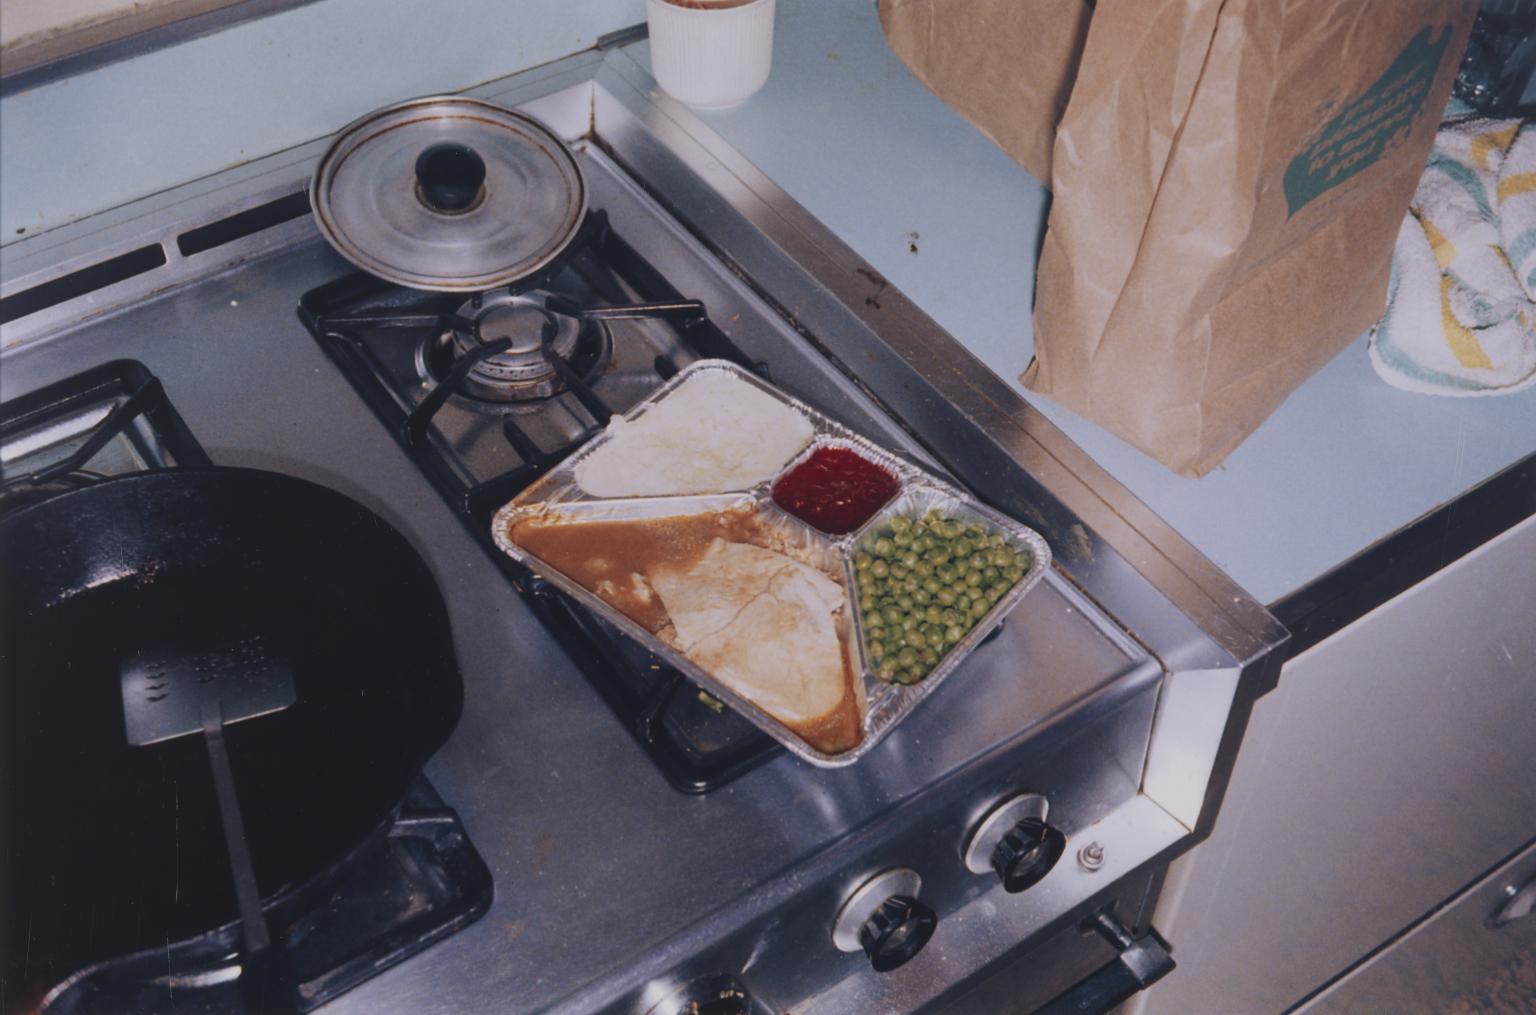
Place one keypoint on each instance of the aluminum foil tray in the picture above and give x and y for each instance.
(882, 704)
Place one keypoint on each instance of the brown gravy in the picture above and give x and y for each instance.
(606, 556)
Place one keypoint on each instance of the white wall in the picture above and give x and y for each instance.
(78, 146)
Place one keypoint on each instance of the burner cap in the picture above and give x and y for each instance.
(522, 372)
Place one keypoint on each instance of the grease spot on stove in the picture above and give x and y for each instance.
(542, 847)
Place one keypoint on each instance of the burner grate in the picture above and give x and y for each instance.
(106, 421)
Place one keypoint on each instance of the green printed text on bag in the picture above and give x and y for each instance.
(1368, 126)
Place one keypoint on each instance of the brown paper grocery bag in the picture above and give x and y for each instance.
(1228, 180)
(1005, 65)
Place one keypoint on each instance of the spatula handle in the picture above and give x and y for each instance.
(263, 976)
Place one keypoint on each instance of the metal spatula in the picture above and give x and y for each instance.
(172, 692)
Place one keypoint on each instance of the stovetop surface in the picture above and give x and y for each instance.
(611, 866)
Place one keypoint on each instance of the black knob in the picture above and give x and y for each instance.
(449, 176)
(1027, 853)
(896, 932)
(735, 1003)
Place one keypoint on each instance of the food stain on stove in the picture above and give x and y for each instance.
(912, 239)
(543, 846)
(880, 283)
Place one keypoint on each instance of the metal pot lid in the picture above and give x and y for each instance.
(448, 193)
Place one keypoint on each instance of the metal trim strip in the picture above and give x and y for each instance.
(1435, 540)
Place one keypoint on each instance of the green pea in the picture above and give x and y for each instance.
(862, 560)
(932, 586)
(976, 530)
(933, 615)
(921, 597)
(923, 568)
(877, 650)
(915, 638)
(990, 574)
(979, 609)
(891, 614)
(900, 523)
(911, 676)
(909, 560)
(947, 574)
(879, 569)
(928, 657)
(950, 617)
(946, 596)
(884, 548)
(902, 539)
(904, 601)
(907, 656)
(898, 571)
(907, 623)
(952, 634)
(961, 548)
(973, 578)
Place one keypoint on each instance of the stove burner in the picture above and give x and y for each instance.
(524, 372)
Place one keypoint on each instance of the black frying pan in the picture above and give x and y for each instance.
(111, 847)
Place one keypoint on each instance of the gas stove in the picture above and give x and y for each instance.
(1068, 760)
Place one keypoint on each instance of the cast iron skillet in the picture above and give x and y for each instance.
(110, 848)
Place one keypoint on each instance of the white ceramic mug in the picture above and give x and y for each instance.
(711, 57)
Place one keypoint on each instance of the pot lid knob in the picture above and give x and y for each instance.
(449, 177)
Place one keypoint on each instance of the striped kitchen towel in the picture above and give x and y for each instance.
(1460, 319)
(1517, 209)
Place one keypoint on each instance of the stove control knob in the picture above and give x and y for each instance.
(1027, 853)
(1015, 841)
(710, 995)
(449, 177)
(898, 930)
(884, 919)
(730, 1000)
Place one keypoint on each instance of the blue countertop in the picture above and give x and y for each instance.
(847, 131)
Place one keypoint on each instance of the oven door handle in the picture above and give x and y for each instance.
(1142, 962)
